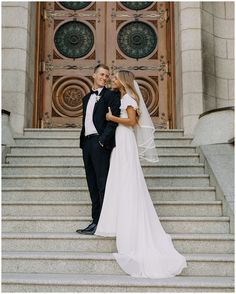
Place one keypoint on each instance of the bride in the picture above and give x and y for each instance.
(144, 248)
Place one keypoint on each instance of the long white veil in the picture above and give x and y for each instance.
(144, 131)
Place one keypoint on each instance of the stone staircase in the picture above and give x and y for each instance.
(45, 199)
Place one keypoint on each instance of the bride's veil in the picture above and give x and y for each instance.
(144, 131)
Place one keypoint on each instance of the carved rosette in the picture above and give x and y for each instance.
(67, 95)
(72, 96)
(137, 39)
(74, 39)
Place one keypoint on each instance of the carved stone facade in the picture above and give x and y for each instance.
(204, 60)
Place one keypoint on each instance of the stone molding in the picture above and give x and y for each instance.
(214, 126)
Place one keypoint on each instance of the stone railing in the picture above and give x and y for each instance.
(214, 126)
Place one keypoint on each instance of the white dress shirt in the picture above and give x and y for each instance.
(89, 125)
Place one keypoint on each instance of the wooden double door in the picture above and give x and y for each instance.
(73, 37)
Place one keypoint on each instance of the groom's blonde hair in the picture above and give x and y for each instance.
(127, 80)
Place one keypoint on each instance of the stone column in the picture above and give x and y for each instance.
(189, 65)
(208, 56)
(223, 15)
(18, 41)
(218, 54)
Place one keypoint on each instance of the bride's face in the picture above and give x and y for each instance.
(116, 84)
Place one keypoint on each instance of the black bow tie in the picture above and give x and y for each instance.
(94, 92)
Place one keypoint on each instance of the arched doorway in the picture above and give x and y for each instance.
(73, 37)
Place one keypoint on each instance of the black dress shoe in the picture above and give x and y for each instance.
(90, 230)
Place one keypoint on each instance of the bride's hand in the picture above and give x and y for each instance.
(109, 114)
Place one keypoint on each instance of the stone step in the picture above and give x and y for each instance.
(80, 181)
(95, 263)
(75, 194)
(52, 133)
(76, 132)
(184, 243)
(60, 169)
(38, 219)
(74, 141)
(83, 208)
(184, 158)
(173, 141)
(75, 150)
(183, 225)
(12, 282)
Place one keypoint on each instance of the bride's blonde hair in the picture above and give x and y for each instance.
(127, 80)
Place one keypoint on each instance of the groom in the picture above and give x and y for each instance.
(97, 140)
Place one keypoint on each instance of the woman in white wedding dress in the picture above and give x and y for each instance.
(144, 248)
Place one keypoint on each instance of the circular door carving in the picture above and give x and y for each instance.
(75, 5)
(67, 95)
(137, 5)
(74, 39)
(137, 39)
(149, 89)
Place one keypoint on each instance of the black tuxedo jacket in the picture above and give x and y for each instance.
(106, 129)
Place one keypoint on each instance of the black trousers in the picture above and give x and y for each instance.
(96, 163)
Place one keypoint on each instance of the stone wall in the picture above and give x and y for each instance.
(18, 46)
(204, 44)
(218, 54)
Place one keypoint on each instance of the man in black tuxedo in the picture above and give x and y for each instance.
(97, 140)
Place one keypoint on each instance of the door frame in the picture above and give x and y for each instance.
(171, 83)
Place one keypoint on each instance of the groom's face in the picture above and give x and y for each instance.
(100, 77)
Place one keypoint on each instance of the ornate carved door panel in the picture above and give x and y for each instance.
(75, 36)
(140, 45)
(74, 43)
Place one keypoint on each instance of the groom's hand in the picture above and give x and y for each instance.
(109, 114)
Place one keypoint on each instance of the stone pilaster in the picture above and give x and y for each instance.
(218, 54)
(18, 41)
(188, 65)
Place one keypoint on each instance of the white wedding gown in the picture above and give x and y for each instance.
(144, 249)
